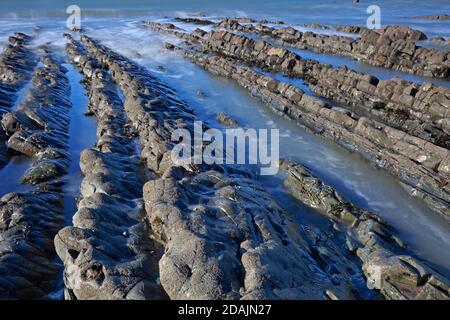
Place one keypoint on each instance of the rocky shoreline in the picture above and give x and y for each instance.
(16, 64)
(39, 126)
(30, 220)
(420, 110)
(238, 239)
(398, 152)
(107, 252)
(392, 47)
(146, 227)
(386, 262)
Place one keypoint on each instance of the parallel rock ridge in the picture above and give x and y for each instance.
(392, 47)
(149, 227)
(108, 253)
(30, 220)
(421, 165)
(16, 63)
(39, 126)
(420, 110)
(224, 236)
(152, 108)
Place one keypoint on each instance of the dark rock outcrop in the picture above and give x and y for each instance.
(202, 22)
(224, 235)
(16, 63)
(392, 47)
(39, 127)
(30, 220)
(28, 223)
(386, 263)
(421, 165)
(108, 253)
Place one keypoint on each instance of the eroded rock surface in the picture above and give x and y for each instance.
(16, 63)
(28, 223)
(108, 253)
(387, 147)
(223, 235)
(420, 110)
(30, 220)
(386, 262)
(392, 47)
(39, 127)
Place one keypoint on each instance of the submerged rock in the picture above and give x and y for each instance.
(226, 238)
(226, 119)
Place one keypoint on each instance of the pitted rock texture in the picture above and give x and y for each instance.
(223, 235)
(108, 253)
(411, 159)
(226, 238)
(16, 64)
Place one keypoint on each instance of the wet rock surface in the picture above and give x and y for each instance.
(39, 127)
(392, 47)
(420, 110)
(149, 227)
(386, 262)
(151, 107)
(226, 238)
(343, 28)
(108, 253)
(223, 235)
(28, 223)
(202, 22)
(30, 220)
(16, 63)
(385, 146)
